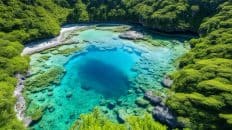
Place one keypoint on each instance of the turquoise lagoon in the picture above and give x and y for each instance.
(103, 71)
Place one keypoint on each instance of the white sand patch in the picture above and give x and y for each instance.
(39, 46)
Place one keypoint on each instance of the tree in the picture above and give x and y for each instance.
(80, 13)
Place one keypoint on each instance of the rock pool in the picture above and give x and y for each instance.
(98, 69)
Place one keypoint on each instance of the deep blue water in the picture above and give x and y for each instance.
(105, 72)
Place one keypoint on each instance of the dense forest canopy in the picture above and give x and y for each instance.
(202, 91)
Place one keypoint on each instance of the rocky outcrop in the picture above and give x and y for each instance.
(121, 115)
(131, 35)
(155, 100)
(167, 81)
(20, 105)
(161, 112)
(164, 115)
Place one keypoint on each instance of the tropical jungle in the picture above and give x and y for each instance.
(115, 64)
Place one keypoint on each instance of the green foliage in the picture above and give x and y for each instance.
(227, 117)
(21, 21)
(97, 121)
(79, 13)
(164, 15)
(10, 64)
(203, 84)
(145, 122)
(7, 101)
(219, 21)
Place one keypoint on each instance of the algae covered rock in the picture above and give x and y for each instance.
(45, 79)
(121, 115)
(37, 114)
(141, 102)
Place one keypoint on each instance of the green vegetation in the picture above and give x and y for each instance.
(10, 64)
(97, 121)
(22, 21)
(25, 20)
(202, 94)
(164, 15)
(79, 13)
(36, 113)
(203, 85)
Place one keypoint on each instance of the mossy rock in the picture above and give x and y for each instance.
(37, 114)
(142, 102)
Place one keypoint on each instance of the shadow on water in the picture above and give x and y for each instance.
(103, 78)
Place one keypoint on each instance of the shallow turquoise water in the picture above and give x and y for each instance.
(108, 72)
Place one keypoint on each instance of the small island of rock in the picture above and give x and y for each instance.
(131, 35)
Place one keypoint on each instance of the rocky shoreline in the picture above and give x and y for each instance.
(20, 105)
(39, 46)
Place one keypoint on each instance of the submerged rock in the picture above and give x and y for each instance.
(121, 115)
(68, 94)
(131, 35)
(155, 100)
(51, 108)
(167, 81)
(164, 115)
(119, 101)
(111, 105)
(141, 102)
(149, 109)
(50, 93)
(41, 98)
(85, 87)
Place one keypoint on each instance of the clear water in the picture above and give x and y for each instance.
(107, 70)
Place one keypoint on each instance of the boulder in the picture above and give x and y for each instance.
(164, 115)
(155, 100)
(131, 35)
(121, 115)
(167, 81)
